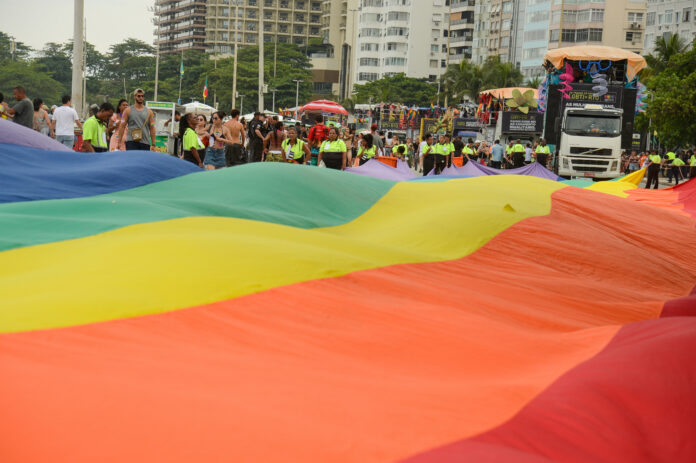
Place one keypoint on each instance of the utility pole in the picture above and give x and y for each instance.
(181, 76)
(157, 55)
(236, 49)
(78, 52)
(297, 95)
(261, 38)
(241, 105)
(273, 90)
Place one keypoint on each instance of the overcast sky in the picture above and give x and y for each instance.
(36, 22)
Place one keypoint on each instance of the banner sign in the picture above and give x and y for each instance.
(466, 125)
(517, 122)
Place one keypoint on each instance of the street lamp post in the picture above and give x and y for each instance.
(274, 90)
(297, 94)
(78, 51)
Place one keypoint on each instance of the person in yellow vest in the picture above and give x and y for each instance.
(654, 164)
(692, 165)
(441, 151)
(295, 150)
(367, 149)
(508, 154)
(469, 152)
(541, 154)
(668, 165)
(427, 154)
(94, 130)
(448, 148)
(190, 143)
(675, 169)
(517, 155)
(333, 151)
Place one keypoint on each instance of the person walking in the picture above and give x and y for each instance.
(116, 142)
(42, 123)
(219, 136)
(654, 165)
(273, 144)
(295, 150)
(95, 128)
(234, 151)
(23, 112)
(190, 142)
(64, 120)
(517, 154)
(257, 133)
(367, 149)
(377, 140)
(497, 153)
(676, 169)
(333, 151)
(317, 134)
(541, 154)
(140, 122)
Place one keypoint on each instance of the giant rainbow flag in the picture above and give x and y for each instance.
(282, 313)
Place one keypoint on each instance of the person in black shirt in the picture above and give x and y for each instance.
(257, 132)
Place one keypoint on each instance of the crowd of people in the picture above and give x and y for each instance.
(225, 141)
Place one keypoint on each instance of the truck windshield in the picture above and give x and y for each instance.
(596, 126)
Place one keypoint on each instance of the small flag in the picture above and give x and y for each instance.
(181, 68)
(432, 107)
(205, 88)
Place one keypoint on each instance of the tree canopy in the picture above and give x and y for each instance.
(397, 89)
(47, 73)
(467, 80)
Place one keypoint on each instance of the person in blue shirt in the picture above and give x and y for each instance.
(497, 153)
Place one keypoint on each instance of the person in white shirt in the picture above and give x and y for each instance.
(528, 153)
(64, 119)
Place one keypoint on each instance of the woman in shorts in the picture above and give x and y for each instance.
(218, 136)
(273, 144)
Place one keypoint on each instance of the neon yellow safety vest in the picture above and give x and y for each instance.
(692, 160)
(655, 158)
(367, 153)
(508, 149)
(518, 149)
(428, 149)
(395, 149)
(467, 150)
(543, 149)
(678, 162)
(671, 156)
(296, 149)
(337, 146)
(438, 149)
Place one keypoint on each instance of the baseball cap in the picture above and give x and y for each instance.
(373, 127)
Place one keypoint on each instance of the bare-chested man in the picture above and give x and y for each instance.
(234, 153)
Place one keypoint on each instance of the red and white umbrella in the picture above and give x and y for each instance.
(325, 106)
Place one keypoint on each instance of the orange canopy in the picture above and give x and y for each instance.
(594, 53)
(501, 93)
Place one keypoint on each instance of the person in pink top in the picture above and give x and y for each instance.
(115, 143)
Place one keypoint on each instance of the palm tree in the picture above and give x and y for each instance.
(665, 49)
(533, 82)
(497, 74)
(463, 79)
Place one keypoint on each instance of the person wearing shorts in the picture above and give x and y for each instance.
(218, 136)
(273, 144)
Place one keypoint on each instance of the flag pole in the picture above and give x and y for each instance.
(181, 75)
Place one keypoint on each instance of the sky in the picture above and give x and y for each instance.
(108, 21)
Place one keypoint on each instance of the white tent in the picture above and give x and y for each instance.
(196, 107)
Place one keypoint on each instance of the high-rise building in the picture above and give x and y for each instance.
(482, 25)
(213, 25)
(180, 25)
(503, 29)
(338, 25)
(535, 36)
(401, 36)
(616, 23)
(669, 17)
(462, 23)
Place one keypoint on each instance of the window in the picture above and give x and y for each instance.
(393, 61)
(634, 17)
(668, 16)
(506, 24)
(597, 15)
(434, 48)
(650, 20)
(505, 42)
(368, 47)
(368, 76)
(686, 15)
(369, 62)
(596, 35)
(633, 36)
(507, 7)
(433, 63)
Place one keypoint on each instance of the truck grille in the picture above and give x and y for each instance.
(589, 165)
(598, 152)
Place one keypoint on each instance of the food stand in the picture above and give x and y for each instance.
(164, 133)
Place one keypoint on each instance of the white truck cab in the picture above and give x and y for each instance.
(590, 144)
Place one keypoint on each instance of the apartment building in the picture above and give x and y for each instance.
(462, 23)
(615, 23)
(215, 25)
(180, 25)
(667, 17)
(534, 40)
(504, 29)
(401, 36)
(338, 29)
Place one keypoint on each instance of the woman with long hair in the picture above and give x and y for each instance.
(116, 143)
(273, 144)
(347, 137)
(294, 149)
(42, 123)
(333, 151)
(191, 143)
(219, 135)
(367, 149)
(201, 129)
